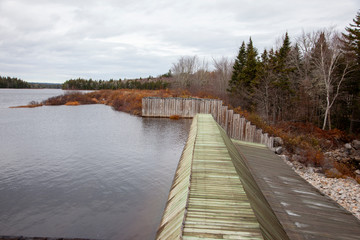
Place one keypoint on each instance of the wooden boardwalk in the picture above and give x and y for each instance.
(304, 212)
(223, 190)
(218, 206)
(208, 199)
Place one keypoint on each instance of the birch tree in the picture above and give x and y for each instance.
(330, 67)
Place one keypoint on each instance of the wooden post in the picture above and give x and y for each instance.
(202, 106)
(219, 107)
(143, 107)
(194, 106)
(247, 132)
(224, 117)
(271, 143)
(187, 107)
(264, 139)
(258, 136)
(242, 128)
(230, 114)
(212, 108)
(252, 132)
(236, 125)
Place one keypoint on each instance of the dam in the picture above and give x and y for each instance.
(230, 189)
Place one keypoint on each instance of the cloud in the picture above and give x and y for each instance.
(60, 39)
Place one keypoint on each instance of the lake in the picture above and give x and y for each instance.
(83, 171)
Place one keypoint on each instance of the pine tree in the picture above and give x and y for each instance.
(250, 67)
(283, 63)
(238, 69)
(285, 49)
(351, 42)
(243, 79)
(352, 38)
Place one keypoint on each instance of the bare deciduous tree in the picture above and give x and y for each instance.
(331, 68)
(184, 69)
(223, 70)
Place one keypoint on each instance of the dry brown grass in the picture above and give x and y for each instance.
(73, 103)
(32, 104)
(174, 117)
(345, 169)
(29, 106)
(125, 100)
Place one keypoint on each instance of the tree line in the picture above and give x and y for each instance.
(11, 82)
(314, 78)
(84, 84)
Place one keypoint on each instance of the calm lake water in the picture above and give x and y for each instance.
(85, 171)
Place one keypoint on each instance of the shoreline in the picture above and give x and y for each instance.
(344, 191)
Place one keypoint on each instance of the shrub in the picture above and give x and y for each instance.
(333, 173)
(344, 169)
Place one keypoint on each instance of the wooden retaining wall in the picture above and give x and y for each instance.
(235, 125)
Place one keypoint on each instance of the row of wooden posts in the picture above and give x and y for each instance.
(236, 126)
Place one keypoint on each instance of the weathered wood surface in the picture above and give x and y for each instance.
(229, 189)
(220, 204)
(236, 126)
(172, 222)
(303, 211)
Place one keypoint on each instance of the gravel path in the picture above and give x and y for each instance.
(345, 192)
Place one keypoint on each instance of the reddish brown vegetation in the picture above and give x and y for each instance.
(306, 140)
(29, 106)
(73, 103)
(79, 97)
(344, 169)
(174, 117)
(32, 104)
(125, 100)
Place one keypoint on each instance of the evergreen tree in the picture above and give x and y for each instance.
(238, 68)
(10, 82)
(352, 38)
(283, 67)
(285, 49)
(250, 67)
(351, 45)
(243, 80)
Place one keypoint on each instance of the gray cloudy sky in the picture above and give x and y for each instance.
(55, 40)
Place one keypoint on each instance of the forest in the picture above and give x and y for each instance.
(84, 84)
(10, 82)
(313, 78)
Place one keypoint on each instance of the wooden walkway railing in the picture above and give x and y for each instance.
(236, 126)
